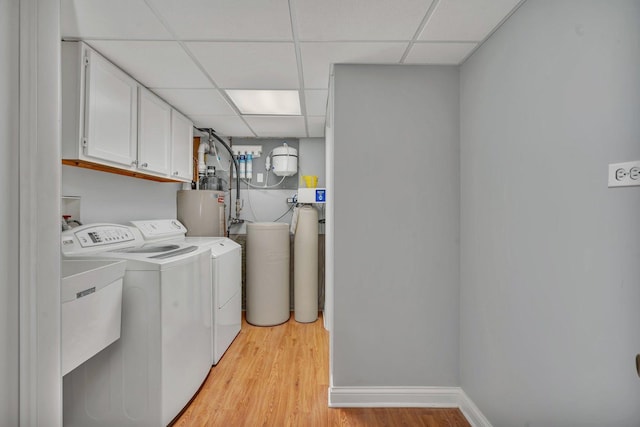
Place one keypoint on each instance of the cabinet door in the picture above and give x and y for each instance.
(154, 134)
(182, 147)
(111, 99)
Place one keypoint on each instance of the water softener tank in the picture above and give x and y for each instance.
(305, 266)
(284, 160)
(267, 273)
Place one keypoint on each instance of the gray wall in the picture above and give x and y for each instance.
(312, 159)
(396, 288)
(267, 144)
(270, 204)
(9, 285)
(107, 197)
(550, 267)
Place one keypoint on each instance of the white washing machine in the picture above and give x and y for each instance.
(164, 353)
(226, 283)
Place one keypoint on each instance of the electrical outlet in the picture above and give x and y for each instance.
(621, 174)
(624, 174)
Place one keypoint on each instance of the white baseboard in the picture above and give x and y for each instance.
(407, 397)
(385, 397)
(472, 412)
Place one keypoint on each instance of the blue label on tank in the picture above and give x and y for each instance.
(320, 195)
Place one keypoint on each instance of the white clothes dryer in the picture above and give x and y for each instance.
(164, 353)
(226, 291)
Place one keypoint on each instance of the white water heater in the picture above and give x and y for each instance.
(284, 160)
(202, 212)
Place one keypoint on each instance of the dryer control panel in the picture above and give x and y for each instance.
(160, 229)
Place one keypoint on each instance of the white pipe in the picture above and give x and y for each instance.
(202, 166)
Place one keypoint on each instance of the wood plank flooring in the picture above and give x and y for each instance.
(278, 376)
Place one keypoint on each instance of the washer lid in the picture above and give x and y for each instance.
(148, 249)
(156, 252)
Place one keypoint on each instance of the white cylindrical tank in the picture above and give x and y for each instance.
(202, 212)
(305, 266)
(284, 160)
(267, 273)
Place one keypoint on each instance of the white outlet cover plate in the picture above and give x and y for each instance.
(626, 180)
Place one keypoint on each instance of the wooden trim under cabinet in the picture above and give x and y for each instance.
(110, 169)
(194, 160)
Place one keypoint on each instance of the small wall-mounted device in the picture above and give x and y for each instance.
(254, 150)
(312, 195)
(284, 160)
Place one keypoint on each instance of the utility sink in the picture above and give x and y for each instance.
(91, 300)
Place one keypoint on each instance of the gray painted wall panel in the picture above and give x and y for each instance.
(9, 285)
(550, 278)
(312, 159)
(396, 226)
(107, 197)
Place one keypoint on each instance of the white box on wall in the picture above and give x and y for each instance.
(70, 205)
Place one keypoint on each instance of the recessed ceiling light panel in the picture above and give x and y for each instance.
(266, 102)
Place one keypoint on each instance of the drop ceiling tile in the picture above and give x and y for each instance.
(339, 20)
(277, 126)
(113, 19)
(439, 53)
(316, 126)
(241, 65)
(316, 102)
(197, 101)
(318, 57)
(226, 19)
(225, 125)
(463, 20)
(159, 64)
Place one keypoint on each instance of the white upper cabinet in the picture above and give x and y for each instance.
(154, 134)
(110, 112)
(182, 147)
(109, 119)
(100, 109)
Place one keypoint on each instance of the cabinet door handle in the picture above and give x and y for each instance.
(144, 165)
(175, 173)
(134, 163)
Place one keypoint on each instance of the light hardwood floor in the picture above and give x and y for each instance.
(278, 376)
